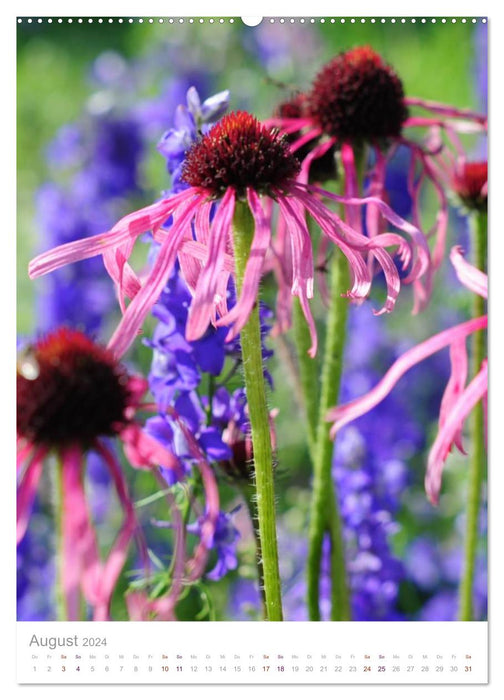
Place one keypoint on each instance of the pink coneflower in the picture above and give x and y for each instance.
(71, 395)
(358, 99)
(459, 398)
(238, 160)
(468, 180)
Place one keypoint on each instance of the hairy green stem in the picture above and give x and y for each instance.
(324, 512)
(308, 375)
(249, 496)
(477, 466)
(250, 337)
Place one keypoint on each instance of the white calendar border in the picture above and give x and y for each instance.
(271, 8)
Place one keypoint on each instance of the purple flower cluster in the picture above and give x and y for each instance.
(435, 569)
(224, 545)
(36, 570)
(81, 295)
(368, 501)
(370, 472)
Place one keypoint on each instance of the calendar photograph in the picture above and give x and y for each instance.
(252, 323)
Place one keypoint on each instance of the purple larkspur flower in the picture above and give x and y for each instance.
(36, 570)
(224, 545)
(189, 122)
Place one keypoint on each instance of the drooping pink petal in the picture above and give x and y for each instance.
(137, 387)
(202, 222)
(422, 288)
(352, 213)
(147, 219)
(485, 418)
(392, 280)
(190, 264)
(411, 122)
(203, 304)
(196, 565)
(240, 313)
(281, 262)
(142, 609)
(353, 242)
(474, 392)
(341, 415)
(145, 452)
(389, 240)
(27, 490)
(302, 261)
(316, 152)
(455, 387)
(138, 605)
(470, 276)
(304, 139)
(221, 306)
(421, 294)
(446, 110)
(116, 559)
(439, 229)
(148, 295)
(125, 279)
(421, 248)
(456, 142)
(198, 251)
(289, 125)
(81, 566)
(329, 222)
(461, 126)
(23, 449)
(376, 189)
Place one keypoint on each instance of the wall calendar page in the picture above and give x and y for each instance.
(252, 350)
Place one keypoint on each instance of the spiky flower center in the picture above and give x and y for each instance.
(358, 97)
(470, 184)
(70, 391)
(239, 152)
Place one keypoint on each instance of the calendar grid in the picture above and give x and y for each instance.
(175, 653)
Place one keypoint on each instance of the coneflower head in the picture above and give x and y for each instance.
(238, 153)
(70, 391)
(358, 97)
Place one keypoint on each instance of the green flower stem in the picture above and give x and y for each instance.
(243, 230)
(324, 513)
(250, 497)
(308, 374)
(325, 516)
(477, 467)
(61, 607)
